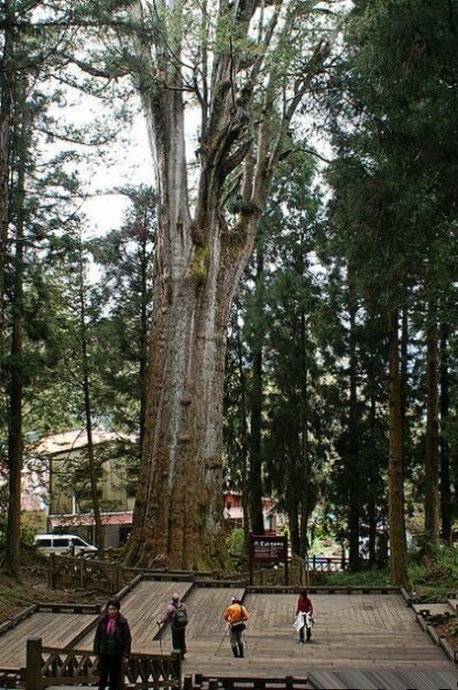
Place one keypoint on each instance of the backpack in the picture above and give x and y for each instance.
(180, 618)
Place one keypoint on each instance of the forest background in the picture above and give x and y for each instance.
(330, 276)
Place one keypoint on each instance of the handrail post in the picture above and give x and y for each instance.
(51, 570)
(33, 678)
(187, 683)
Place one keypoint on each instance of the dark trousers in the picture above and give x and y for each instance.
(179, 640)
(302, 631)
(111, 667)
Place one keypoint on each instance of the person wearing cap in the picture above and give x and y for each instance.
(236, 615)
(112, 641)
(175, 613)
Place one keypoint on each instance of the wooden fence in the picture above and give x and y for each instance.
(88, 573)
(110, 577)
(326, 564)
(47, 666)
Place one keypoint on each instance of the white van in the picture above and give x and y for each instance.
(63, 543)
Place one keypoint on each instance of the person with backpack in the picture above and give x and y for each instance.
(176, 614)
(236, 615)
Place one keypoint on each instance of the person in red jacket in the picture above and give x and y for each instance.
(305, 608)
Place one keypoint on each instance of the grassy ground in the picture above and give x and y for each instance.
(15, 596)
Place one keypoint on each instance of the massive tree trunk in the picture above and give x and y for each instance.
(202, 250)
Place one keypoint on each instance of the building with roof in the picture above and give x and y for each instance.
(56, 486)
(56, 482)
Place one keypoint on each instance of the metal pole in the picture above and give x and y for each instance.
(160, 637)
(245, 643)
(222, 639)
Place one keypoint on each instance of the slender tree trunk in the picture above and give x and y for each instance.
(255, 480)
(294, 527)
(99, 533)
(398, 554)
(372, 496)
(444, 407)
(431, 508)
(304, 451)
(352, 458)
(242, 436)
(6, 101)
(15, 443)
(255, 477)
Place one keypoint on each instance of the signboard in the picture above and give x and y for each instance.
(268, 549)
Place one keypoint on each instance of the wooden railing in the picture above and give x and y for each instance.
(326, 563)
(47, 666)
(88, 573)
(108, 577)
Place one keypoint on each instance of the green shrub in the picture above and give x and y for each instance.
(435, 578)
(375, 577)
(235, 543)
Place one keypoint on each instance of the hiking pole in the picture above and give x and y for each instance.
(222, 639)
(245, 642)
(160, 636)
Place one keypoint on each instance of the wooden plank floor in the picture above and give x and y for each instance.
(142, 607)
(55, 630)
(352, 631)
(374, 633)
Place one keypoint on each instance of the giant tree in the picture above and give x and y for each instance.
(242, 69)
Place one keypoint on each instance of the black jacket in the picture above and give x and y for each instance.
(119, 643)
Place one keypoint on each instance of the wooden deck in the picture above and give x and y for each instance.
(56, 630)
(355, 634)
